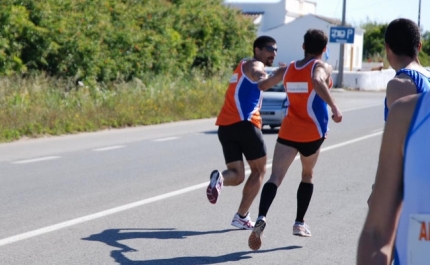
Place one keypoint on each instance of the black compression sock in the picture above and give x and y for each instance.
(242, 217)
(304, 195)
(267, 195)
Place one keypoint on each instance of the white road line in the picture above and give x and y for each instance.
(35, 160)
(108, 148)
(90, 217)
(350, 141)
(165, 139)
(269, 161)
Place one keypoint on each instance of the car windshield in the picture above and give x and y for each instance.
(277, 88)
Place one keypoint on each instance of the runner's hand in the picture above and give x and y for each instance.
(337, 115)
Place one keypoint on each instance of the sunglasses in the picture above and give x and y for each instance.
(271, 49)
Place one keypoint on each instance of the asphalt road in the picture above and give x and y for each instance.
(137, 196)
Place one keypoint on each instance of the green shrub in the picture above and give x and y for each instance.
(103, 40)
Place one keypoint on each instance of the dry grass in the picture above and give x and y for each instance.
(41, 105)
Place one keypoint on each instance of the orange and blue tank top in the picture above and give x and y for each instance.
(242, 100)
(306, 119)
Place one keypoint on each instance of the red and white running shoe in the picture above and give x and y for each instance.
(243, 223)
(214, 189)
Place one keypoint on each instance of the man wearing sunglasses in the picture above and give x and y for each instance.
(239, 131)
(303, 130)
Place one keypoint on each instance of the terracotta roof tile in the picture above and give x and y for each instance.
(252, 15)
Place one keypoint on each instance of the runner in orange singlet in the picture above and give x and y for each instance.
(239, 131)
(303, 130)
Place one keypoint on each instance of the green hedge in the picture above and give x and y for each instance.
(105, 40)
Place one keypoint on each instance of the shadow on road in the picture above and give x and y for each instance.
(112, 237)
(265, 131)
(210, 132)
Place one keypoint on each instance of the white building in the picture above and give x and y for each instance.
(288, 20)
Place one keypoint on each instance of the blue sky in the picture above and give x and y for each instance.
(383, 11)
(360, 11)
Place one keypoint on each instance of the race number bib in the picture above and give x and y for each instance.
(297, 87)
(419, 239)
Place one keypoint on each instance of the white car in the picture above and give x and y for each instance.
(275, 104)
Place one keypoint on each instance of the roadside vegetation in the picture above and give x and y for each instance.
(72, 65)
(42, 105)
(373, 44)
(76, 66)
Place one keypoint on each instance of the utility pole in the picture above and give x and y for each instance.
(342, 51)
(419, 13)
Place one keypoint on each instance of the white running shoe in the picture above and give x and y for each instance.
(243, 223)
(301, 229)
(254, 240)
(215, 186)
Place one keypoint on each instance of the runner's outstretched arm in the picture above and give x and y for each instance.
(272, 80)
(319, 82)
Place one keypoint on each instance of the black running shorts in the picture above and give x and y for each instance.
(304, 148)
(241, 138)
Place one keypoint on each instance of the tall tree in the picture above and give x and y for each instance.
(373, 43)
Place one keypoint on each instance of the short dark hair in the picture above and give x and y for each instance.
(262, 41)
(403, 37)
(315, 41)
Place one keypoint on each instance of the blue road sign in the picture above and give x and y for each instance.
(342, 34)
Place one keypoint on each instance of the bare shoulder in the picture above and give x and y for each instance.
(405, 105)
(322, 71)
(255, 64)
(402, 110)
(254, 70)
(399, 87)
(320, 65)
(398, 83)
(400, 80)
(329, 68)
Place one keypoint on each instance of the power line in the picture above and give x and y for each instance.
(419, 13)
(361, 7)
(335, 10)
